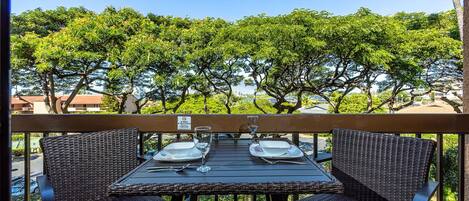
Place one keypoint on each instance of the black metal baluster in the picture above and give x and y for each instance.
(315, 146)
(140, 144)
(254, 197)
(235, 197)
(296, 139)
(461, 170)
(44, 134)
(418, 135)
(397, 134)
(216, 197)
(160, 141)
(178, 136)
(439, 165)
(27, 166)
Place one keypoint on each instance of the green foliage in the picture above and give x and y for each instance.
(450, 165)
(245, 106)
(356, 103)
(195, 105)
(17, 137)
(110, 104)
(163, 59)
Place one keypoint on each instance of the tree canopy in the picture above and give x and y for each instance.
(166, 61)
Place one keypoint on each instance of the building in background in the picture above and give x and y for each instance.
(36, 104)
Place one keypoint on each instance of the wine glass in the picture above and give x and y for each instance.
(202, 141)
(253, 126)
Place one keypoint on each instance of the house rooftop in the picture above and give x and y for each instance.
(79, 99)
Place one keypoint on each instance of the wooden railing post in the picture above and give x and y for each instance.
(5, 92)
(466, 94)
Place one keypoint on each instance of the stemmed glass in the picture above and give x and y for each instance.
(253, 126)
(202, 141)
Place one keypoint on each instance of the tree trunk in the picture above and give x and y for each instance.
(205, 104)
(52, 98)
(182, 99)
(391, 106)
(466, 95)
(456, 106)
(46, 94)
(254, 101)
(74, 93)
(122, 104)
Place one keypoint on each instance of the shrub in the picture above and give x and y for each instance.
(18, 152)
(17, 137)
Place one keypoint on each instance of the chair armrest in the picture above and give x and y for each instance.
(45, 188)
(426, 192)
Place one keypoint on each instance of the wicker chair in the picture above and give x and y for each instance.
(380, 167)
(81, 167)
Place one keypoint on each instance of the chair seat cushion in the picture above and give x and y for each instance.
(328, 197)
(138, 198)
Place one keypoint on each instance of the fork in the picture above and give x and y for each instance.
(160, 169)
(282, 161)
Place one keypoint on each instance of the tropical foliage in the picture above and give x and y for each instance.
(165, 62)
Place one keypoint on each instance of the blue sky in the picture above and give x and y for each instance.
(236, 9)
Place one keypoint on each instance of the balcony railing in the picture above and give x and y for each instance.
(436, 125)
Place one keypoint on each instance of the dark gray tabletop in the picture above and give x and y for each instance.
(234, 171)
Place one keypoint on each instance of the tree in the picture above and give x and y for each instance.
(206, 59)
(355, 103)
(226, 73)
(29, 29)
(113, 32)
(168, 76)
(280, 54)
(68, 61)
(358, 47)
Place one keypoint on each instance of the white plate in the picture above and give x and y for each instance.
(192, 154)
(257, 151)
(275, 147)
(179, 148)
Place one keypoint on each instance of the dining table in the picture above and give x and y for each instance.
(233, 171)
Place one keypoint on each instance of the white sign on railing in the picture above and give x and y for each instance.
(184, 123)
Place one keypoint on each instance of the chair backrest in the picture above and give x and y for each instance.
(82, 166)
(376, 166)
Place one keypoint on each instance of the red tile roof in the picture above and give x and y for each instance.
(79, 99)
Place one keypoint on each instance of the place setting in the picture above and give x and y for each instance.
(272, 151)
(186, 151)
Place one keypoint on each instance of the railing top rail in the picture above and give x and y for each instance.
(303, 123)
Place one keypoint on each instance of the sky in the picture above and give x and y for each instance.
(237, 9)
